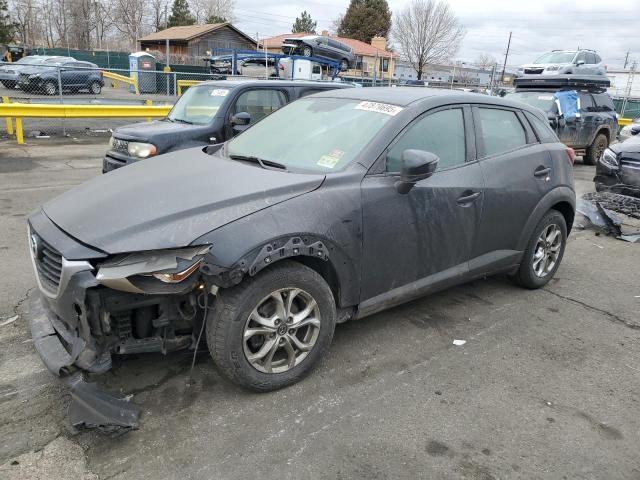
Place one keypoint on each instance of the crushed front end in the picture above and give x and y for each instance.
(91, 306)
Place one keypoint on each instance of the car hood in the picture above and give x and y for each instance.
(631, 145)
(163, 134)
(171, 200)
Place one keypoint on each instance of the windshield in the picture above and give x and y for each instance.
(542, 100)
(556, 57)
(314, 134)
(29, 61)
(198, 104)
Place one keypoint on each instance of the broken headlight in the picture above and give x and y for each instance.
(610, 159)
(146, 272)
(141, 150)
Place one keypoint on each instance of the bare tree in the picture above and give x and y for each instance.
(335, 24)
(128, 17)
(486, 61)
(159, 14)
(206, 10)
(427, 32)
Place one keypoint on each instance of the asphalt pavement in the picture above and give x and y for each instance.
(545, 387)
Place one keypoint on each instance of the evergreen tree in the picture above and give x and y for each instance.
(7, 27)
(304, 24)
(180, 14)
(365, 19)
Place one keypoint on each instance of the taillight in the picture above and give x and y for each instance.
(571, 153)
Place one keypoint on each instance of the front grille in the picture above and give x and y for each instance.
(121, 146)
(48, 263)
(632, 163)
(534, 71)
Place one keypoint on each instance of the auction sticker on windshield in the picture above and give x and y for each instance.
(219, 92)
(385, 108)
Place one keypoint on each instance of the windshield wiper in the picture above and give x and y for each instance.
(182, 121)
(268, 164)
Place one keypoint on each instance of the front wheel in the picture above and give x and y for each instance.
(544, 252)
(9, 84)
(597, 148)
(95, 88)
(307, 51)
(271, 330)
(50, 88)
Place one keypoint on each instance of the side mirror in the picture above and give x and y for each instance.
(240, 122)
(553, 121)
(562, 122)
(416, 165)
(635, 130)
(580, 62)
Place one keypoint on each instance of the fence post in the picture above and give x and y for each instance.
(64, 131)
(9, 120)
(175, 84)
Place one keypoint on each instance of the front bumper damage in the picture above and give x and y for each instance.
(91, 407)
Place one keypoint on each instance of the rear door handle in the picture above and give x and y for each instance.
(468, 198)
(542, 172)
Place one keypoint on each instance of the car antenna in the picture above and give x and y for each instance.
(195, 350)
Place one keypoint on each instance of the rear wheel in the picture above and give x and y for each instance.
(597, 148)
(307, 51)
(95, 88)
(271, 330)
(544, 252)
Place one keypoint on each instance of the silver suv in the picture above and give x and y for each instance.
(565, 62)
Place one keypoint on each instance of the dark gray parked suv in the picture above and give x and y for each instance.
(320, 46)
(335, 207)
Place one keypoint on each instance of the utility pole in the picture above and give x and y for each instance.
(626, 59)
(506, 55)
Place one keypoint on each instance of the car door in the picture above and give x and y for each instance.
(581, 63)
(68, 75)
(588, 122)
(322, 48)
(426, 235)
(517, 172)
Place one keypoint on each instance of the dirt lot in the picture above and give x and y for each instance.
(547, 385)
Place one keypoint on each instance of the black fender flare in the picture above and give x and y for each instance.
(561, 194)
(603, 129)
(313, 250)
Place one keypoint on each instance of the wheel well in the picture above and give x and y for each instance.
(325, 269)
(605, 132)
(567, 212)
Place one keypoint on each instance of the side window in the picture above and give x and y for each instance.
(334, 44)
(586, 102)
(441, 133)
(582, 57)
(597, 58)
(309, 91)
(604, 103)
(501, 131)
(591, 58)
(260, 103)
(542, 129)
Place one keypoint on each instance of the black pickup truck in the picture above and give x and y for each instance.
(208, 113)
(591, 126)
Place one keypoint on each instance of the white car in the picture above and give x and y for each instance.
(629, 131)
(565, 62)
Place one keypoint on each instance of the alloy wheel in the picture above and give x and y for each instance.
(547, 250)
(281, 331)
(50, 88)
(306, 52)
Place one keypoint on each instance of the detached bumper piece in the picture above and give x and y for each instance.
(91, 407)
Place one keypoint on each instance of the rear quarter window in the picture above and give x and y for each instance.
(501, 131)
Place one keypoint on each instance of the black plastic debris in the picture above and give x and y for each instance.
(613, 213)
(92, 407)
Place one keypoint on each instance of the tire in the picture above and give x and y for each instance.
(95, 88)
(594, 152)
(344, 65)
(526, 275)
(9, 84)
(307, 51)
(229, 322)
(50, 88)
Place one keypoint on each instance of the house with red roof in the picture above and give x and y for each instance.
(372, 60)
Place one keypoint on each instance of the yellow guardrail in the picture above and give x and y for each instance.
(623, 122)
(117, 78)
(32, 110)
(186, 83)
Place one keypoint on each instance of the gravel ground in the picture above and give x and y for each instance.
(546, 386)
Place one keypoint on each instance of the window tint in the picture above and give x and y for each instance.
(586, 102)
(591, 58)
(604, 103)
(542, 129)
(310, 91)
(598, 59)
(441, 133)
(501, 131)
(582, 56)
(260, 103)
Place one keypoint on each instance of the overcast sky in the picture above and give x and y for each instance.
(611, 28)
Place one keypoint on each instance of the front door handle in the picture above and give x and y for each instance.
(468, 198)
(542, 171)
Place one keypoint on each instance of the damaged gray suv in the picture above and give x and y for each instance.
(335, 207)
